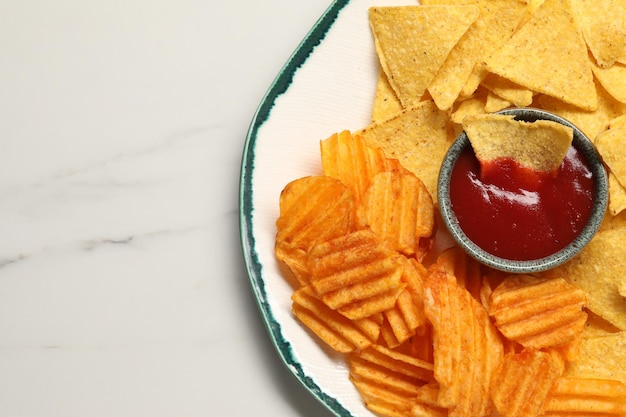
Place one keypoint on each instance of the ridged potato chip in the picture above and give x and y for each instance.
(312, 208)
(295, 259)
(467, 271)
(444, 308)
(538, 313)
(357, 274)
(394, 330)
(338, 332)
(523, 382)
(421, 372)
(407, 315)
(586, 397)
(399, 209)
(467, 349)
(349, 159)
(427, 404)
(420, 345)
(388, 381)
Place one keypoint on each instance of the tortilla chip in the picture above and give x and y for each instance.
(611, 144)
(474, 105)
(418, 137)
(495, 103)
(622, 288)
(617, 222)
(532, 6)
(617, 195)
(500, 18)
(613, 79)
(602, 357)
(606, 38)
(508, 90)
(548, 55)
(451, 77)
(446, 2)
(412, 42)
(599, 270)
(590, 122)
(597, 326)
(386, 103)
(618, 121)
(539, 145)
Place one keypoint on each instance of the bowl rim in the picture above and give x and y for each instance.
(599, 205)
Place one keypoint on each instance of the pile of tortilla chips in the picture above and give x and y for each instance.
(428, 331)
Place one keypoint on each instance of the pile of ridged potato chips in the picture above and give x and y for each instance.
(425, 329)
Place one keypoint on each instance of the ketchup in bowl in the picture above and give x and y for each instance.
(517, 213)
(517, 219)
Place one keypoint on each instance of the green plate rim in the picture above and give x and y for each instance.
(246, 203)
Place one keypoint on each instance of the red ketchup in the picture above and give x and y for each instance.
(517, 213)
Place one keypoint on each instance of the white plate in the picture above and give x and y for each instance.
(326, 86)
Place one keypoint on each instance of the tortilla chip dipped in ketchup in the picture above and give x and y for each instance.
(521, 191)
(539, 146)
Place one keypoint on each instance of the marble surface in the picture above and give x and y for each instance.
(122, 286)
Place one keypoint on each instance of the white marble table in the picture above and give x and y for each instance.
(122, 286)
